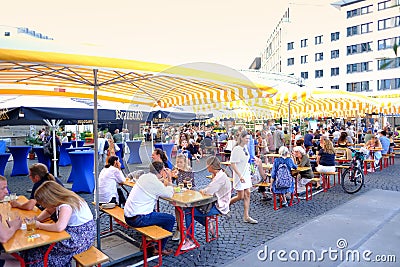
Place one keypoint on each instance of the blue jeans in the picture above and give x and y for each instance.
(198, 216)
(164, 220)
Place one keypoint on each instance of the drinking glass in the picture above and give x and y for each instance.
(181, 185)
(30, 224)
(13, 196)
(189, 184)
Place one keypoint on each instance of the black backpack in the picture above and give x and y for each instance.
(48, 147)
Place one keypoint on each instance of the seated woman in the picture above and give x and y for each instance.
(74, 216)
(221, 187)
(344, 142)
(158, 155)
(7, 229)
(302, 160)
(286, 160)
(188, 150)
(109, 177)
(182, 173)
(38, 173)
(375, 146)
(325, 158)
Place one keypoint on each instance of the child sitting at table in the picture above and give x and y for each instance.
(74, 216)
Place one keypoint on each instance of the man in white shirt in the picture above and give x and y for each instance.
(139, 208)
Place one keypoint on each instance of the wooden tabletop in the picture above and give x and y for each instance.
(21, 240)
(273, 155)
(190, 198)
(301, 169)
(128, 182)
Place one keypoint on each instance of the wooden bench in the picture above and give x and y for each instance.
(309, 188)
(90, 257)
(340, 169)
(150, 234)
(371, 162)
(385, 158)
(326, 179)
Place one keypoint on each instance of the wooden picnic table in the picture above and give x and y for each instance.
(22, 240)
(188, 199)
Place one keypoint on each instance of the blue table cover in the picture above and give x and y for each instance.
(3, 146)
(3, 162)
(82, 171)
(167, 148)
(119, 154)
(64, 157)
(40, 155)
(134, 156)
(20, 157)
(80, 143)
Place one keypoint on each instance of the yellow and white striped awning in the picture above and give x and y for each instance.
(41, 72)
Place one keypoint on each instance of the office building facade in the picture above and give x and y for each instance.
(345, 45)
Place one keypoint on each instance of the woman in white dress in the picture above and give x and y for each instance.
(241, 174)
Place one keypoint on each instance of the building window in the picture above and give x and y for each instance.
(389, 84)
(353, 30)
(319, 56)
(389, 63)
(304, 43)
(358, 67)
(318, 39)
(304, 75)
(366, 27)
(335, 53)
(383, 5)
(7, 34)
(319, 73)
(359, 48)
(290, 46)
(304, 59)
(359, 11)
(358, 86)
(388, 43)
(290, 61)
(334, 36)
(334, 86)
(388, 23)
(335, 71)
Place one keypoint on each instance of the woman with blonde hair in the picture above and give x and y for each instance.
(74, 216)
(325, 157)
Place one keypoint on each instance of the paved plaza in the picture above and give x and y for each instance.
(239, 242)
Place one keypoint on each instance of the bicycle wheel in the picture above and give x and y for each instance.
(352, 180)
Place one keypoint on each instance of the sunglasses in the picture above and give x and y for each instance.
(245, 151)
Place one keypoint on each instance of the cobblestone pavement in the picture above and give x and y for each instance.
(236, 237)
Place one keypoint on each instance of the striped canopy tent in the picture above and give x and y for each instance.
(389, 103)
(43, 67)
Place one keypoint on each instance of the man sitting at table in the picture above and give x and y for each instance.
(38, 173)
(139, 207)
(221, 187)
(9, 229)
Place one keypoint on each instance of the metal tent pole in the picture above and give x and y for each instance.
(96, 156)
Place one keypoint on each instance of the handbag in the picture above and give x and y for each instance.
(206, 207)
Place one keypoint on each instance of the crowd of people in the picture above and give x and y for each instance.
(72, 214)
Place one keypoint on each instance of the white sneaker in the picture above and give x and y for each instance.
(176, 236)
(187, 244)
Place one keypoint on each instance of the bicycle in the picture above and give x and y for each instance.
(353, 177)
